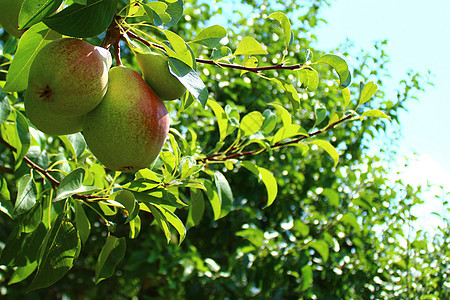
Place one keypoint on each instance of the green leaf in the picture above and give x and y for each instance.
(112, 253)
(174, 221)
(33, 40)
(190, 79)
(328, 148)
(219, 53)
(5, 109)
(376, 114)
(23, 134)
(214, 200)
(251, 123)
(222, 118)
(33, 11)
(267, 178)
(368, 91)
(284, 114)
(341, 67)
(292, 130)
(250, 62)
(321, 247)
(157, 12)
(250, 46)
(26, 195)
(351, 220)
(210, 36)
(196, 207)
(159, 196)
(175, 10)
(270, 121)
(82, 223)
(285, 24)
(160, 219)
(307, 277)
(309, 79)
(75, 143)
(290, 91)
(59, 252)
(26, 257)
(253, 235)
(5, 199)
(73, 184)
(332, 196)
(346, 96)
(224, 192)
(83, 20)
(180, 47)
(320, 113)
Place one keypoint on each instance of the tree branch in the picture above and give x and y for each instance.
(220, 64)
(221, 156)
(46, 173)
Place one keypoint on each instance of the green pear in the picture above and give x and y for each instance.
(155, 69)
(9, 16)
(127, 130)
(51, 123)
(68, 77)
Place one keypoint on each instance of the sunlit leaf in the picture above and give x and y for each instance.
(249, 46)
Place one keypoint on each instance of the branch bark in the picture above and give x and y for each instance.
(222, 156)
(220, 64)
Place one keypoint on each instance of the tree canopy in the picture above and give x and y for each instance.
(265, 187)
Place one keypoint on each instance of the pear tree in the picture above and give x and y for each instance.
(90, 139)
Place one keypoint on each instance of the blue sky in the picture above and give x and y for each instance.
(419, 39)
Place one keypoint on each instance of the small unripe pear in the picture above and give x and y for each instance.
(68, 77)
(51, 123)
(127, 130)
(9, 16)
(155, 69)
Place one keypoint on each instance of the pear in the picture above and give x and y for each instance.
(155, 69)
(52, 124)
(9, 16)
(68, 77)
(127, 130)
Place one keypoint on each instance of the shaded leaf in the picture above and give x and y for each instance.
(341, 67)
(83, 20)
(224, 192)
(59, 252)
(112, 253)
(26, 195)
(73, 184)
(33, 11)
(190, 79)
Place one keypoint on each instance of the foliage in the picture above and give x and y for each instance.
(263, 189)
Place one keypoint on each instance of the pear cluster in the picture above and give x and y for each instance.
(72, 88)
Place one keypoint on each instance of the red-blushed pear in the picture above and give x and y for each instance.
(68, 77)
(9, 16)
(155, 69)
(52, 124)
(127, 130)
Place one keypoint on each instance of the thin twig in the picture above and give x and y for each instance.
(46, 173)
(218, 157)
(220, 64)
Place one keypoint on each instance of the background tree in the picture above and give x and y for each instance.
(273, 112)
